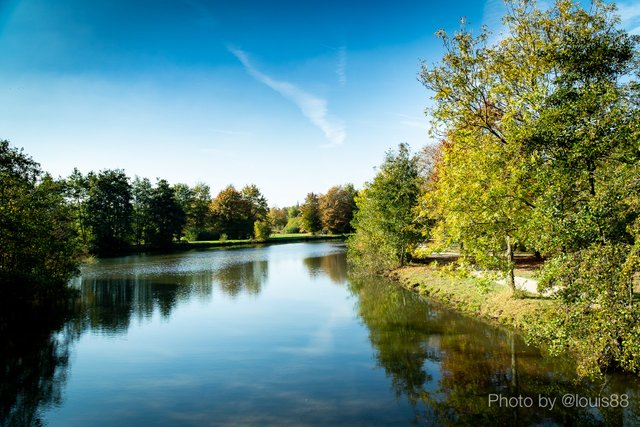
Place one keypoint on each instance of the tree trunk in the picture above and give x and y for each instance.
(511, 277)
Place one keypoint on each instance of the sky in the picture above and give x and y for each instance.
(293, 96)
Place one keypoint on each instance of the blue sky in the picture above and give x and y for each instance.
(294, 96)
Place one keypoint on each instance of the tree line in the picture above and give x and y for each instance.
(46, 224)
(538, 152)
(112, 212)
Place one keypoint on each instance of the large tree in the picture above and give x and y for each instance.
(166, 215)
(546, 156)
(38, 239)
(231, 214)
(310, 214)
(257, 202)
(198, 215)
(482, 195)
(384, 223)
(586, 142)
(337, 206)
(141, 193)
(583, 137)
(109, 211)
(195, 203)
(77, 193)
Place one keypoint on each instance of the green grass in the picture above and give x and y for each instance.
(274, 238)
(284, 236)
(305, 236)
(490, 301)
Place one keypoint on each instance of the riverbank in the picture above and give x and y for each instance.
(599, 341)
(273, 240)
(209, 244)
(478, 297)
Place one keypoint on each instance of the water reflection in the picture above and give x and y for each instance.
(36, 344)
(333, 266)
(110, 304)
(112, 296)
(34, 361)
(447, 365)
(247, 277)
(440, 366)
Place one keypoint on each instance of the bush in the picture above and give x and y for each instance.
(196, 234)
(39, 247)
(597, 319)
(261, 230)
(294, 225)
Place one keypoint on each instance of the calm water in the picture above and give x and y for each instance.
(277, 335)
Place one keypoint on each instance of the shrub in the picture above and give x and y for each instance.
(597, 319)
(293, 226)
(261, 230)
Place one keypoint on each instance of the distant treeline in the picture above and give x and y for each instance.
(46, 224)
(112, 212)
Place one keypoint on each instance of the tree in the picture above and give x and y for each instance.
(478, 199)
(38, 239)
(141, 193)
(294, 221)
(293, 211)
(109, 211)
(198, 217)
(384, 223)
(184, 195)
(310, 214)
(166, 215)
(336, 209)
(546, 156)
(583, 137)
(195, 203)
(482, 196)
(257, 202)
(261, 230)
(77, 193)
(232, 213)
(294, 225)
(277, 217)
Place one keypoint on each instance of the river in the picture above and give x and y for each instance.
(283, 335)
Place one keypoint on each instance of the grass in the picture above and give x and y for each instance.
(470, 295)
(307, 236)
(274, 238)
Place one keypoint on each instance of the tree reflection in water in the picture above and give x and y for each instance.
(36, 343)
(334, 266)
(447, 365)
(112, 302)
(34, 359)
(238, 277)
(444, 364)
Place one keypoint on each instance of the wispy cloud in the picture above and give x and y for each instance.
(492, 17)
(341, 69)
(630, 16)
(311, 106)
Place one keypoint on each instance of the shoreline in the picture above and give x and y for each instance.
(480, 298)
(187, 246)
(535, 317)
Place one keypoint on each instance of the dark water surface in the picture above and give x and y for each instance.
(280, 335)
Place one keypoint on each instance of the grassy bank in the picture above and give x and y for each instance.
(206, 244)
(477, 297)
(599, 340)
(273, 239)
